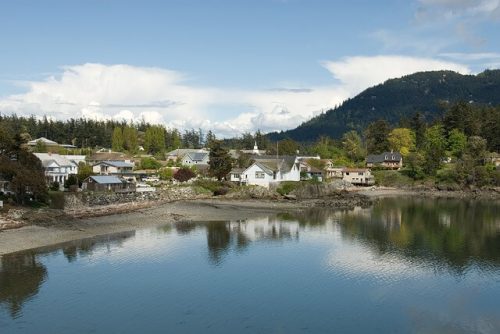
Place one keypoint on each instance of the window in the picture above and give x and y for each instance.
(360, 173)
(260, 175)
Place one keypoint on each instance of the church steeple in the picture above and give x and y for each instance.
(255, 148)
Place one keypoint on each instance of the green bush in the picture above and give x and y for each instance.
(287, 187)
(391, 178)
(215, 187)
(150, 163)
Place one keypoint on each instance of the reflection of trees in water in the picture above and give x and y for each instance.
(450, 233)
(224, 237)
(21, 274)
(20, 279)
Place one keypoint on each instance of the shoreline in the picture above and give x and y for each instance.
(97, 221)
(34, 236)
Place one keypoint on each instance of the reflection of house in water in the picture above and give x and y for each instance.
(85, 247)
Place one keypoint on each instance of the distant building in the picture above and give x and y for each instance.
(195, 158)
(43, 140)
(113, 168)
(50, 144)
(254, 151)
(108, 155)
(235, 174)
(308, 172)
(358, 176)
(267, 170)
(386, 160)
(57, 167)
(180, 153)
(104, 183)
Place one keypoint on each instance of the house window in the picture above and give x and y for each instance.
(361, 173)
(260, 175)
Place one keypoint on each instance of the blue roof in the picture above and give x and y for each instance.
(106, 179)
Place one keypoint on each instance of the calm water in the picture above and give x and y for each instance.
(417, 266)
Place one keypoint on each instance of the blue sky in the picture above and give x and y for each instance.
(231, 66)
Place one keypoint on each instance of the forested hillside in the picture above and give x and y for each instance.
(398, 99)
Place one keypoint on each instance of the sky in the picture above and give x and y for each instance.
(230, 66)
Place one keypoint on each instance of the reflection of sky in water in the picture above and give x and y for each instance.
(401, 266)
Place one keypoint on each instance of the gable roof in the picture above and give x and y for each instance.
(384, 157)
(283, 163)
(49, 158)
(197, 156)
(43, 140)
(181, 152)
(108, 156)
(105, 179)
(114, 163)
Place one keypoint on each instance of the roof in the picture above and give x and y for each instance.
(180, 152)
(108, 156)
(197, 156)
(42, 139)
(48, 158)
(237, 170)
(106, 179)
(284, 163)
(115, 163)
(354, 170)
(383, 157)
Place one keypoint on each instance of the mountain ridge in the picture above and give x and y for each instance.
(400, 98)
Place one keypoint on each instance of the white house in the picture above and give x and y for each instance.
(263, 172)
(113, 168)
(57, 167)
(235, 174)
(358, 176)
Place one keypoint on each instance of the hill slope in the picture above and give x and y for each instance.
(400, 98)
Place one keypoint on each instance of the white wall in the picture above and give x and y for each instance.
(248, 176)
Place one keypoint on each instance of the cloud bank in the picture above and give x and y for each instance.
(158, 95)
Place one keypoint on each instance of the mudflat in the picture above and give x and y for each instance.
(33, 236)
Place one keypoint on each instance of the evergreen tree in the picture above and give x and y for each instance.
(154, 139)
(210, 139)
(376, 137)
(353, 146)
(117, 140)
(220, 162)
(130, 139)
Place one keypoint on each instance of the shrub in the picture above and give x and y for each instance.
(287, 187)
(71, 181)
(54, 186)
(184, 174)
(391, 178)
(150, 163)
(166, 174)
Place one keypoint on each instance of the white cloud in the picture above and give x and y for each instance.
(358, 73)
(130, 93)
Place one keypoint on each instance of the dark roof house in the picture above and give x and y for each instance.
(388, 160)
